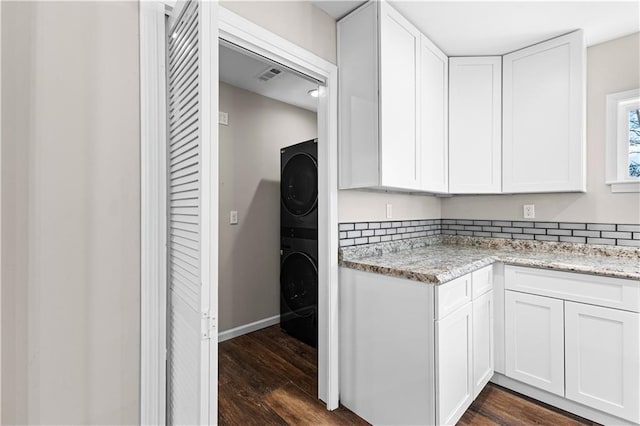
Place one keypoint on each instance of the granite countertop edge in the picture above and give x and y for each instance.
(442, 275)
(431, 278)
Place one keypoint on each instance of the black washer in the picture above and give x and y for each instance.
(299, 241)
(299, 281)
(299, 184)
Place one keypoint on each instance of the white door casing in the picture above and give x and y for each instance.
(247, 35)
(153, 223)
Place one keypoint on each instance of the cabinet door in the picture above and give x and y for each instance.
(475, 125)
(433, 145)
(534, 340)
(602, 359)
(399, 50)
(482, 341)
(544, 116)
(454, 366)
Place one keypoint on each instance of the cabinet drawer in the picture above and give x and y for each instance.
(592, 289)
(452, 295)
(482, 281)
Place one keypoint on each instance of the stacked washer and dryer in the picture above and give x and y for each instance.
(299, 241)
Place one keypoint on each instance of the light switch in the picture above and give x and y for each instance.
(233, 217)
(389, 211)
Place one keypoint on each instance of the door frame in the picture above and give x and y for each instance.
(241, 32)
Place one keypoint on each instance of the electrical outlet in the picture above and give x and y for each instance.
(529, 211)
(223, 118)
(389, 211)
(233, 217)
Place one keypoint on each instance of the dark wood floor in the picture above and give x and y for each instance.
(269, 378)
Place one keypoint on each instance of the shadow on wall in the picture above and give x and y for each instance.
(548, 207)
(254, 259)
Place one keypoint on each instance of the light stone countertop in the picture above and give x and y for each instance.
(443, 258)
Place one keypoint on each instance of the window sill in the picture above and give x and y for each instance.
(625, 186)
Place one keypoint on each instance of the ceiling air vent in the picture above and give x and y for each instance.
(269, 73)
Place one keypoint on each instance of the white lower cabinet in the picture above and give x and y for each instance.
(602, 353)
(587, 355)
(483, 341)
(454, 365)
(534, 340)
(408, 354)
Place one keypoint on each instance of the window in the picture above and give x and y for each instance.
(634, 142)
(623, 141)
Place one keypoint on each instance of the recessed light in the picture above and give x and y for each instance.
(314, 93)
(174, 36)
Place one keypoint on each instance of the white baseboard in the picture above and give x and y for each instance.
(557, 401)
(248, 328)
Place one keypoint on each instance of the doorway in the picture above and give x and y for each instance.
(246, 35)
(239, 32)
(268, 237)
(264, 109)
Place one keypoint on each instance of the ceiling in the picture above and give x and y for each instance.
(241, 70)
(494, 28)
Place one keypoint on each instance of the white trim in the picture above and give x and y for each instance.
(152, 214)
(246, 34)
(209, 208)
(557, 401)
(1, 225)
(624, 186)
(617, 142)
(248, 328)
(237, 30)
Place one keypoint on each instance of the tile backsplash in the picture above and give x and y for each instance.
(357, 233)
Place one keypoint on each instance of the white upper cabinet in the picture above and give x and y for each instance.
(358, 126)
(475, 125)
(412, 119)
(433, 147)
(399, 58)
(378, 56)
(543, 116)
(392, 103)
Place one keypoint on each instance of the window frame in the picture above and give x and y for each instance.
(617, 148)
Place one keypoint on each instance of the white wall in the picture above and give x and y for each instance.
(357, 205)
(611, 67)
(297, 21)
(250, 183)
(70, 213)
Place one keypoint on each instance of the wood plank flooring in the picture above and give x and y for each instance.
(269, 378)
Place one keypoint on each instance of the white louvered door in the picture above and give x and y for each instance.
(192, 216)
